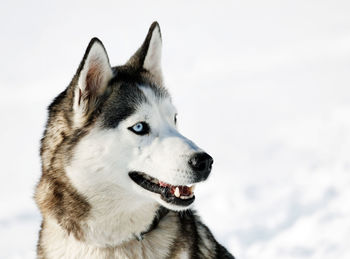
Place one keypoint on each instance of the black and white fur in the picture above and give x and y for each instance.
(105, 190)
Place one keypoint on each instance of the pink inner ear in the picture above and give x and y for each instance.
(93, 80)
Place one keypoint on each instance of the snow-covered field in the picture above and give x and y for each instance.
(263, 86)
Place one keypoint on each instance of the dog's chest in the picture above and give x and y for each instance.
(159, 243)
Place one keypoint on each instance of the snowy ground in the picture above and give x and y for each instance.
(262, 85)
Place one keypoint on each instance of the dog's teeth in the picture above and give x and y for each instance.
(186, 197)
(192, 188)
(177, 192)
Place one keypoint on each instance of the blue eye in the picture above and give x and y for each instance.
(140, 128)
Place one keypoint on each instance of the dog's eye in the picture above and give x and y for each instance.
(140, 128)
(175, 119)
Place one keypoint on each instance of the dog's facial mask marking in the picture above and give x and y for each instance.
(134, 145)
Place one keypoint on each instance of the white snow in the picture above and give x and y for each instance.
(263, 86)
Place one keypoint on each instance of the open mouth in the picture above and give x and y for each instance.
(181, 195)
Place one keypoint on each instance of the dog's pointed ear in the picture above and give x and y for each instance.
(148, 56)
(91, 79)
(153, 42)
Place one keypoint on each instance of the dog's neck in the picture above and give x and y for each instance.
(156, 244)
(115, 220)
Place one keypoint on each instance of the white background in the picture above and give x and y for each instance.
(263, 86)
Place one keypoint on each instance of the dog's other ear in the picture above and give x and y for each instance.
(148, 56)
(91, 80)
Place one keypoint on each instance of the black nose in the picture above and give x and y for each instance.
(201, 164)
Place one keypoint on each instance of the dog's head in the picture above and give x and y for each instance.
(127, 138)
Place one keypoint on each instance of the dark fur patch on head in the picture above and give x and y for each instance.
(126, 95)
(122, 102)
(138, 75)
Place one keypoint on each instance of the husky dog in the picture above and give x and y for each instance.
(117, 176)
